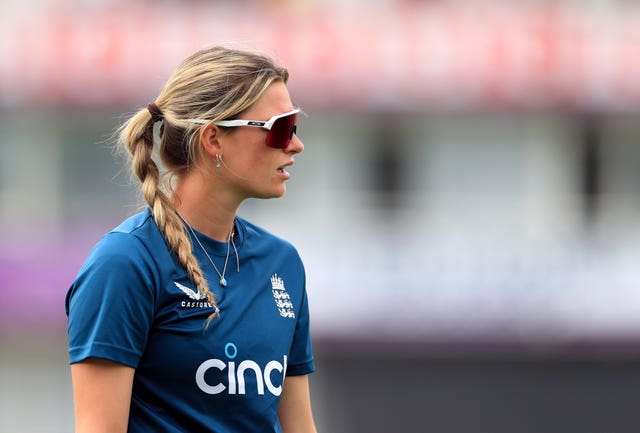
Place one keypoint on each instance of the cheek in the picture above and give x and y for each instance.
(251, 156)
(257, 159)
(255, 165)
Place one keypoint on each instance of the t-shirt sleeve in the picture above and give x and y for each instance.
(111, 303)
(301, 355)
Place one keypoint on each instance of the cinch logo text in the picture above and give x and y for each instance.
(236, 374)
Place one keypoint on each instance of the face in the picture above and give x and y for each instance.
(252, 168)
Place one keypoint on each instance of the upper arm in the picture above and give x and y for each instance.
(101, 395)
(111, 303)
(294, 411)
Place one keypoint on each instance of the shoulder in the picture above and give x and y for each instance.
(137, 230)
(131, 255)
(259, 237)
(136, 241)
(134, 222)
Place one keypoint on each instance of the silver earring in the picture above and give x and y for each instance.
(219, 161)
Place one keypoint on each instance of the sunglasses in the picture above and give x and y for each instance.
(280, 128)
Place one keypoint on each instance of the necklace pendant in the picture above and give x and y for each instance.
(223, 282)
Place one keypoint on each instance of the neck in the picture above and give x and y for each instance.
(205, 207)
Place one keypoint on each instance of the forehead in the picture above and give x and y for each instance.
(275, 100)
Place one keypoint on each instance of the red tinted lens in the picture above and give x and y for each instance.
(280, 134)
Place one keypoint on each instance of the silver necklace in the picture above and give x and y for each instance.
(223, 280)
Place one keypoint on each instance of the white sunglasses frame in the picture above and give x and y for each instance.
(268, 124)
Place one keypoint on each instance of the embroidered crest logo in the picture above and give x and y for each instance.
(281, 297)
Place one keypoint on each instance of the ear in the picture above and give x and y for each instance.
(210, 139)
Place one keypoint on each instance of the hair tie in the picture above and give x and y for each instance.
(156, 113)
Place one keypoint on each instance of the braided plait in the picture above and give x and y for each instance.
(164, 214)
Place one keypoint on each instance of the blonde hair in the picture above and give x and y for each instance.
(215, 84)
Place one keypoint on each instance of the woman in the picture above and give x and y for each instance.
(186, 317)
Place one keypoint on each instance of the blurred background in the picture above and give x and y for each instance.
(467, 204)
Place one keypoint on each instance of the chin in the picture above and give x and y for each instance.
(279, 194)
(272, 194)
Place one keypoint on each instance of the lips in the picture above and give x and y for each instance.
(282, 171)
(282, 168)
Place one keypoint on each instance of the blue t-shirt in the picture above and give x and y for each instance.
(134, 304)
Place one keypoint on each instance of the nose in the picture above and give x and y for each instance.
(295, 145)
